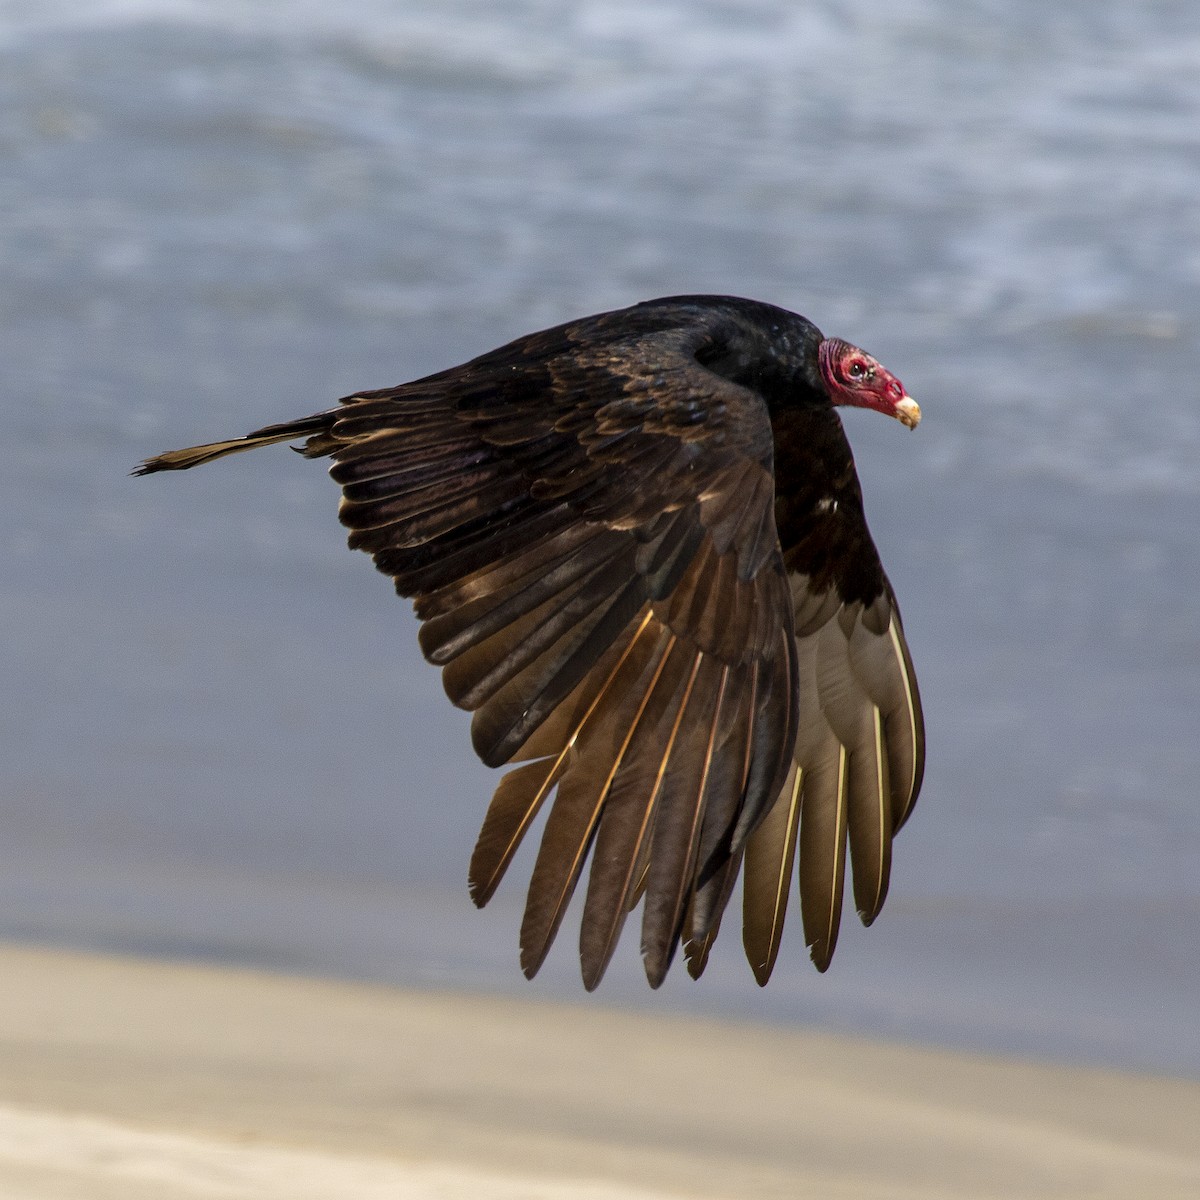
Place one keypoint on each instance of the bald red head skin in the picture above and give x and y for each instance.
(853, 377)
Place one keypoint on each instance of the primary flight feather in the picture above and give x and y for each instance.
(637, 546)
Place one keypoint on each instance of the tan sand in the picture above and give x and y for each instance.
(128, 1080)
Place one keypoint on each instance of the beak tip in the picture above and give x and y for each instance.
(908, 412)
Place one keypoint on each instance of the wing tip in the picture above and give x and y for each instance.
(696, 955)
(656, 962)
(531, 963)
(591, 979)
(821, 953)
(869, 912)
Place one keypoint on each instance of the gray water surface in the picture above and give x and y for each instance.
(219, 737)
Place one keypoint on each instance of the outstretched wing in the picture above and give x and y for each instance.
(860, 751)
(585, 521)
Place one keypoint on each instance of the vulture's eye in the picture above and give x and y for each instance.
(856, 370)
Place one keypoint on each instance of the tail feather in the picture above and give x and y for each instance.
(194, 456)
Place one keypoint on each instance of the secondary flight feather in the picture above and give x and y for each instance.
(637, 546)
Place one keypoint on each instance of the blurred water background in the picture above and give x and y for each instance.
(219, 738)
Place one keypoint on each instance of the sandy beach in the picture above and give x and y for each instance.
(139, 1080)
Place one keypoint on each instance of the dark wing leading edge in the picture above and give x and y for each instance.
(860, 751)
(585, 520)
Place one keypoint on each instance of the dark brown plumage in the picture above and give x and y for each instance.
(637, 546)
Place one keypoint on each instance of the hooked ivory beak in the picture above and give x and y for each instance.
(908, 411)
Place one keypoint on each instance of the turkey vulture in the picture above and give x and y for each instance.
(637, 546)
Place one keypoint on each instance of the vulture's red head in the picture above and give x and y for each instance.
(854, 377)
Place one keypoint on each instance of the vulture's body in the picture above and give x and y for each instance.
(637, 546)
